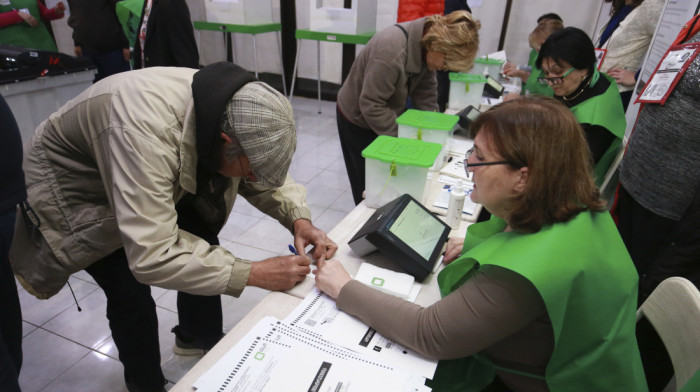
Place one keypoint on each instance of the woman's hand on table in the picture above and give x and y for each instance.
(28, 19)
(453, 250)
(512, 70)
(331, 277)
(511, 96)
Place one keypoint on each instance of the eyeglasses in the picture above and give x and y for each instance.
(467, 165)
(554, 80)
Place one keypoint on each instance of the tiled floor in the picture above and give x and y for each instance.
(67, 350)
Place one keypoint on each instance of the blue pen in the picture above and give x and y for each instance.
(293, 250)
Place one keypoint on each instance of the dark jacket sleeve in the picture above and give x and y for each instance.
(181, 41)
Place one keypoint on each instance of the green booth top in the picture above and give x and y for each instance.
(427, 120)
(402, 151)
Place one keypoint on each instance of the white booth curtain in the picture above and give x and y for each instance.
(588, 15)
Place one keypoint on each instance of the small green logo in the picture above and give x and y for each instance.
(259, 356)
(379, 282)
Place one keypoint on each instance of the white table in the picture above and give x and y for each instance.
(282, 304)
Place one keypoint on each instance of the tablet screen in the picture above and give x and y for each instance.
(418, 229)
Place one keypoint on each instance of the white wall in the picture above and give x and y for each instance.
(523, 19)
(583, 14)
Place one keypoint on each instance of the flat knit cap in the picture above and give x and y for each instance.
(263, 123)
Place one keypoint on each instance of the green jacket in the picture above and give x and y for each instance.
(23, 35)
(589, 285)
(532, 86)
(606, 111)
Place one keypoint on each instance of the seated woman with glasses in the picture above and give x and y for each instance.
(528, 298)
(568, 63)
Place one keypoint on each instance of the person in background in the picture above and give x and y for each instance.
(526, 298)
(658, 200)
(628, 45)
(21, 24)
(529, 74)
(568, 63)
(166, 39)
(618, 12)
(12, 192)
(165, 36)
(397, 63)
(443, 77)
(658, 203)
(523, 71)
(98, 35)
(139, 146)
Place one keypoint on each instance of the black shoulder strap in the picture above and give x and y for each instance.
(405, 33)
(212, 86)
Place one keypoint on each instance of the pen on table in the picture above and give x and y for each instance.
(438, 264)
(293, 249)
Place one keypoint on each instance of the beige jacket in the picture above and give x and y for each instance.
(387, 71)
(106, 171)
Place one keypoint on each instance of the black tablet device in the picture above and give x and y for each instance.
(406, 233)
(466, 117)
(492, 88)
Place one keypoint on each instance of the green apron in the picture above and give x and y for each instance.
(23, 35)
(532, 58)
(129, 15)
(532, 86)
(606, 111)
(576, 266)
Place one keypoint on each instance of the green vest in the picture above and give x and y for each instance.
(532, 58)
(606, 111)
(589, 285)
(532, 86)
(693, 385)
(129, 15)
(23, 35)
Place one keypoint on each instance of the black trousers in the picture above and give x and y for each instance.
(353, 140)
(131, 312)
(10, 311)
(660, 248)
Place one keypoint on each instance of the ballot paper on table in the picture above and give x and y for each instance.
(391, 282)
(274, 356)
(455, 168)
(460, 146)
(319, 315)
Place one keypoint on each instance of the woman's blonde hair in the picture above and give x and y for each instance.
(543, 135)
(543, 30)
(456, 36)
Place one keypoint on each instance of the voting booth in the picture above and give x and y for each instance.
(316, 15)
(240, 12)
(394, 166)
(430, 127)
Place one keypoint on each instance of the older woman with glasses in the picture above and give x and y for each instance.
(528, 299)
(568, 63)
